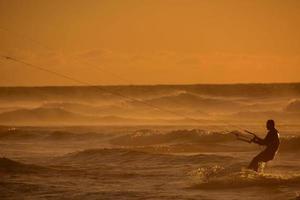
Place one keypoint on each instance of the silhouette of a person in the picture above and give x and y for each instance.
(271, 141)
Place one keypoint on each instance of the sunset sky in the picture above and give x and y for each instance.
(150, 41)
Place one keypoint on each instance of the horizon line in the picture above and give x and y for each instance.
(160, 84)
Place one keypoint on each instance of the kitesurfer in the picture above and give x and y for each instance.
(271, 141)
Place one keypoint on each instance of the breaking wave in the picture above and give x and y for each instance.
(151, 137)
(195, 137)
(218, 177)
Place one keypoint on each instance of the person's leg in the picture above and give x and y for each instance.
(254, 164)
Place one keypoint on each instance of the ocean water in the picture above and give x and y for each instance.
(140, 163)
(80, 143)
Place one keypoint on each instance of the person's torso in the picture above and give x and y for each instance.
(273, 141)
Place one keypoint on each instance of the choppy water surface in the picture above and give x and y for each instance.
(140, 163)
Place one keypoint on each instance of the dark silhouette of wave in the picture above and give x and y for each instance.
(193, 101)
(128, 157)
(94, 94)
(8, 166)
(33, 135)
(46, 116)
(38, 114)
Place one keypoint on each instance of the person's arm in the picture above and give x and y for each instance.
(261, 141)
(258, 140)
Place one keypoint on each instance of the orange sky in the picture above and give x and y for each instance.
(150, 41)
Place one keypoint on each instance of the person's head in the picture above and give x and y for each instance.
(270, 124)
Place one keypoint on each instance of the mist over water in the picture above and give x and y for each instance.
(130, 105)
(81, 143)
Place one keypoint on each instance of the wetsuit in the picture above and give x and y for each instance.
(272, 142)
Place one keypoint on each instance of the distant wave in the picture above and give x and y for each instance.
(128, 156)
(10, 108)
(177, 136)
(181, 140)
(190, 100)
(54, 93)
(263, 115)
(211, 141)
(44, 135)
(8, 166)
(70, 106)
(249, 103)
(42, 115)
(16, 134)
(92, 94)
(37, 114)
(88, 109)
(60, 116)
(256, 115)
(293, 106)
(290, 144)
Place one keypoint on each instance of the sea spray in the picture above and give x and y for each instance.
(219, 177)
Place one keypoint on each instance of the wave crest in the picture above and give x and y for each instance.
(218, 177)
(128, 156)
(178, 136)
